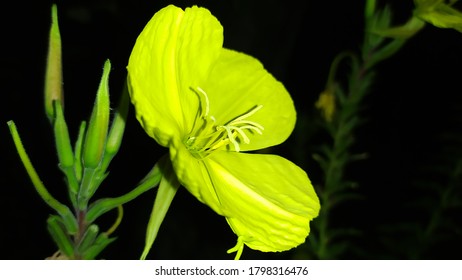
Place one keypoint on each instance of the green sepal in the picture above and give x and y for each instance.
(91, 180)
(78, 169)
(117, 129)
(101, 242)
(165, 194)
(104, 205)
(88, 239)
(57, 231)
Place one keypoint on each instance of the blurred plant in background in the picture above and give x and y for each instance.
(341, 107)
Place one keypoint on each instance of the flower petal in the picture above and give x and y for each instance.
(173, 53)
(193, 175)
(237, 84)
(268, 201)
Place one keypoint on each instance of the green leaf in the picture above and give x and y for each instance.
(104, 205)
(369, 11)
(63, 210)
(405, 31)
(88, 239)
(101, 242)
(379, 21)
(345, 197)
(439, 14)
(385, 52)
(59, 235)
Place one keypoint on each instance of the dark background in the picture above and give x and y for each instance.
(415, 98)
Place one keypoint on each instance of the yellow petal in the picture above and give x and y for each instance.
(239, 82)
(173, 53)
(193, 175)
(268, 201)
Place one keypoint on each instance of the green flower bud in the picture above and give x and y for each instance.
(53, 75)
(95, 140)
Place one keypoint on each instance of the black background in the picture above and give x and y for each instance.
(416, 95)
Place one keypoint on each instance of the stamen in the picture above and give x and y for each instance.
(206, 136)
(239, 131)
(231, 138)
(242, 133)
(256, 129)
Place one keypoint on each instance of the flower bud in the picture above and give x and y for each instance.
(95, 140)
(53, 76)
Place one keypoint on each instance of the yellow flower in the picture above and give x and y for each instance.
(209, 105)
(326, 104)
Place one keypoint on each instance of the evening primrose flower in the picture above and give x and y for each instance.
(326, 104)
(209, 105)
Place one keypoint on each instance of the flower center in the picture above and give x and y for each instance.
(208, 136)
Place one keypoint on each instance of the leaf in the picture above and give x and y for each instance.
(60, 237)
